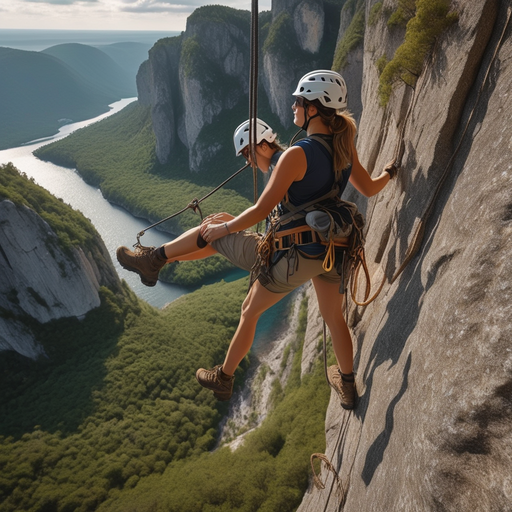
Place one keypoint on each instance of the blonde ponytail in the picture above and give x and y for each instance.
(343, 127)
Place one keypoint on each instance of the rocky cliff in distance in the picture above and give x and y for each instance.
(40, 280)
(431, 430)
(197, 81)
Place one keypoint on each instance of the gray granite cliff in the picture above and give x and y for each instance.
(433, 351)
(192, 82)
(41, 282)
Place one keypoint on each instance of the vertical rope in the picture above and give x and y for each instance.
(253, 94)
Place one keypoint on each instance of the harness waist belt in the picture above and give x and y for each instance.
(302, 235)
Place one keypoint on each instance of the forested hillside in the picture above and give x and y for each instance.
(42, 91)
(96, 68)
(111, 416)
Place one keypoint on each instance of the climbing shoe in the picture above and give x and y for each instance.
(346, 389)
(215, 380)
(147, 262)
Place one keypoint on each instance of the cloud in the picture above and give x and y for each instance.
(61, 2)
(170, 6)
(175, 6)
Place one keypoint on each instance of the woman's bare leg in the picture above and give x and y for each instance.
(185, 248)
(258, 300)
(330, 302)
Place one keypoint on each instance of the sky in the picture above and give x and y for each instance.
(160, 15)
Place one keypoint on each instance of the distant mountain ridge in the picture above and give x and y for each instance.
(41, 91)
(95, 66)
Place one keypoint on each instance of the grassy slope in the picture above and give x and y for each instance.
(36, 90)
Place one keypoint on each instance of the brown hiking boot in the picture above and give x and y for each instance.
(146, 262)
(346, 390)
(211, 379)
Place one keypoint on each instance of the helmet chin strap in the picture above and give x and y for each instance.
(304, 125)
(307, 120)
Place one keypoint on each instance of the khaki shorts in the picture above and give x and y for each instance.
(286, 275)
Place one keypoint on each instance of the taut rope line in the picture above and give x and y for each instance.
(253, 110)
(193, 205)
(253, 95)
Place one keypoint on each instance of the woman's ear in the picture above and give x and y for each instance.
(311, 110)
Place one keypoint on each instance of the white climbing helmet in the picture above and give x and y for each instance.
(324, 85)
(241, 135)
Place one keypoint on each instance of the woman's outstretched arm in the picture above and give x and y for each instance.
(362, 180)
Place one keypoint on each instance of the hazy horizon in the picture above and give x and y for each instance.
(150, 15)
(40, 39)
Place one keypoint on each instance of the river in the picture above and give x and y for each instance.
(115, 225)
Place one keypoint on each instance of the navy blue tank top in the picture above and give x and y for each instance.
(319, 177)
(317, 181)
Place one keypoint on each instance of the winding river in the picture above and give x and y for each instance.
(115, 225)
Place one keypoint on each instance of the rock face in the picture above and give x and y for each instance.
(433, 359)
(308, 22)
(193, 80)
(39, 281)
(155, 85)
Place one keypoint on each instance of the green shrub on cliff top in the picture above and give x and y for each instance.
(221, 14)
(404, 12)
(70, 226)
(281, 37)
(352, 37)
(431, 19)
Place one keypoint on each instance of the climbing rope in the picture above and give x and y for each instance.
(193, 205)
(253, 114)
(336, 478)
(253, 95)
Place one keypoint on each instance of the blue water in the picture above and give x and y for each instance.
(37, 40)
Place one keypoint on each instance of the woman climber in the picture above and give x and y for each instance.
(190, 245)
(286, 256)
